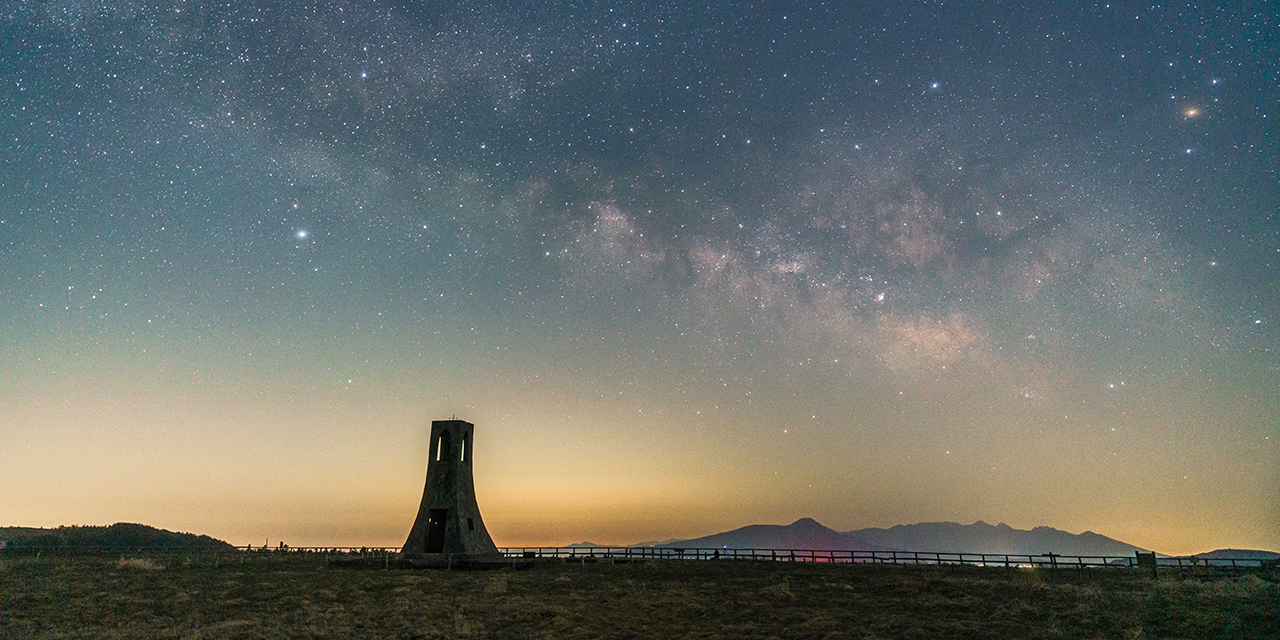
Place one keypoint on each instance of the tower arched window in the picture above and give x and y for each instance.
(443, 450)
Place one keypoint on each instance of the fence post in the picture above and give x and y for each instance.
(1147, 559)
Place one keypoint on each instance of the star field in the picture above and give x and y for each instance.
(686, 268)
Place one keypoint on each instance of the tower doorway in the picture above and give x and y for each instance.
(435, 529)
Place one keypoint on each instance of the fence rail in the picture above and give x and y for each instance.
(1047, 560)
(1010, 560)
(162, 549)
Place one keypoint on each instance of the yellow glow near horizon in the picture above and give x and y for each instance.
(352, 474)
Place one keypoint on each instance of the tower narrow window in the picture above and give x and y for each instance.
(463, 446)
(443, 451)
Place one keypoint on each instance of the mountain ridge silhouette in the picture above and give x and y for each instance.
(942, 537)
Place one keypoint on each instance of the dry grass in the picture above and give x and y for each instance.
(297, 597)
(144, 564)
(497, 585)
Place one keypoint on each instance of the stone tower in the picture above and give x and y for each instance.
(448, 523)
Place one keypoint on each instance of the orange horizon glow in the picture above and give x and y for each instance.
(538, 484)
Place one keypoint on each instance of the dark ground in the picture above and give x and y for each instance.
(297, 596)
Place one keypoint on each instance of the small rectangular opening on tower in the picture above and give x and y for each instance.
(463, 456)
(471, 524)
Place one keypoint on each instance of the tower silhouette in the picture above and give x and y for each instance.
(448, 521)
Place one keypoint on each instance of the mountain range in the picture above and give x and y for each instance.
(979, 537)
(805, 533)
(945, 537)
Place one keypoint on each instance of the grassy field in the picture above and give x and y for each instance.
(295, 596)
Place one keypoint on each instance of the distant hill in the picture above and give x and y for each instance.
(805, 533)
(121, 535)
(9, 533)
(981, 537)
(978, 537)
(654, 543)
(1244, 554)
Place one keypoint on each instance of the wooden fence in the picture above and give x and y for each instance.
(1007, 560)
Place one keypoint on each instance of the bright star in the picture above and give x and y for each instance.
(302, 233)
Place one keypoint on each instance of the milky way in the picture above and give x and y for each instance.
(687, 268)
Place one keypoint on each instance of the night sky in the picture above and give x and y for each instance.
(687, 268)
